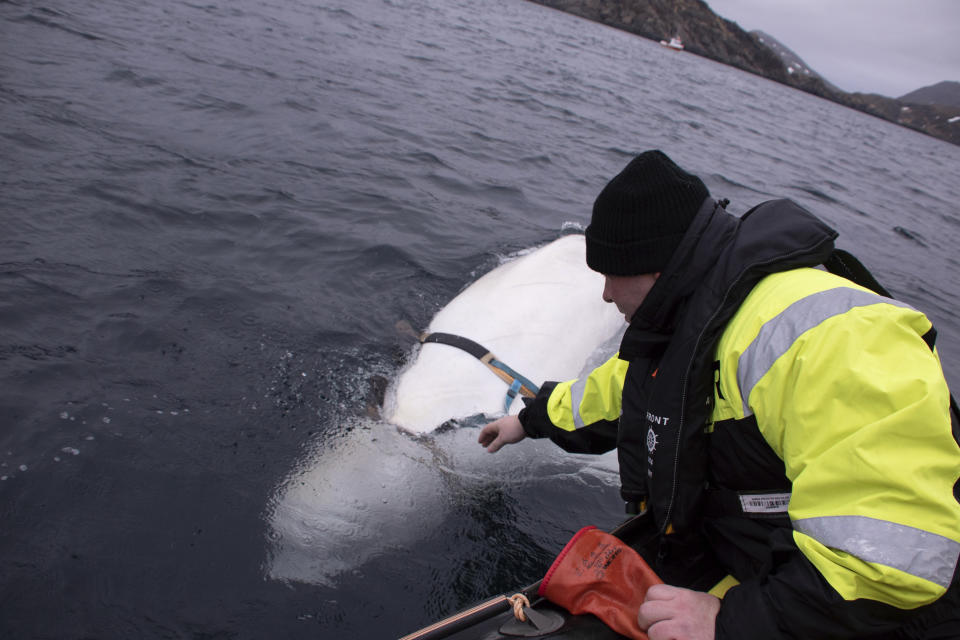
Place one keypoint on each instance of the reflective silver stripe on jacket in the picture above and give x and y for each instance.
(577, 389)
(779, 333)
(919, 553)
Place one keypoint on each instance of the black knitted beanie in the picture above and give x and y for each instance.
(641, 215)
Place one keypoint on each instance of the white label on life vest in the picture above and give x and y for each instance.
(764, 502)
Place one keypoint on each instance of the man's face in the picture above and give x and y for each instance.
(628, 292)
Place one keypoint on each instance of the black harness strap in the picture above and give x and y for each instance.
(478, 351)
(517, 382)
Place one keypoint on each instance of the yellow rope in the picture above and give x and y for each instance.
(519, 601)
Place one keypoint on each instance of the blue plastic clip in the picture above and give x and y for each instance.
(511, 394)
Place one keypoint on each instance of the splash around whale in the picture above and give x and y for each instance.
(384, 483)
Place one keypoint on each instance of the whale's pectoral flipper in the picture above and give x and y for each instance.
(405, 330)
(376, 392)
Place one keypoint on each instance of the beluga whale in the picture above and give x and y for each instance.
(380, 487)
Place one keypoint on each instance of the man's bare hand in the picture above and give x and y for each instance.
(672, 613)
(506, 430)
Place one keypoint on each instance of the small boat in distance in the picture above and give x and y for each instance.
(675, 43)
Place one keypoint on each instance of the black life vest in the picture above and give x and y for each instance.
(670, 344)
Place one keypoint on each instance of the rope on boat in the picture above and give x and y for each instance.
(519, 601)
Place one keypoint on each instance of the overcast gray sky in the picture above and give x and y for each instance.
(890, 47)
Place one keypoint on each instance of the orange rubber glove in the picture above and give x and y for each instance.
(597, 573)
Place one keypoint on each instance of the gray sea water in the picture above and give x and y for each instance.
(213, 214)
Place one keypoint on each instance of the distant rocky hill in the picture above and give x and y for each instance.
(946, 93)
(939, 121)
(706, 34)
(793, 62)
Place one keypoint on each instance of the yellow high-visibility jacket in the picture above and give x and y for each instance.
(833, 469)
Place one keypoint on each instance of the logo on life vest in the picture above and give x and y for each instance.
(651, 440)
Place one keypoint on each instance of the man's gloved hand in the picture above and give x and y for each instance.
(597, 573)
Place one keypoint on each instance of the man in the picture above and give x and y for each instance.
(775, 422)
